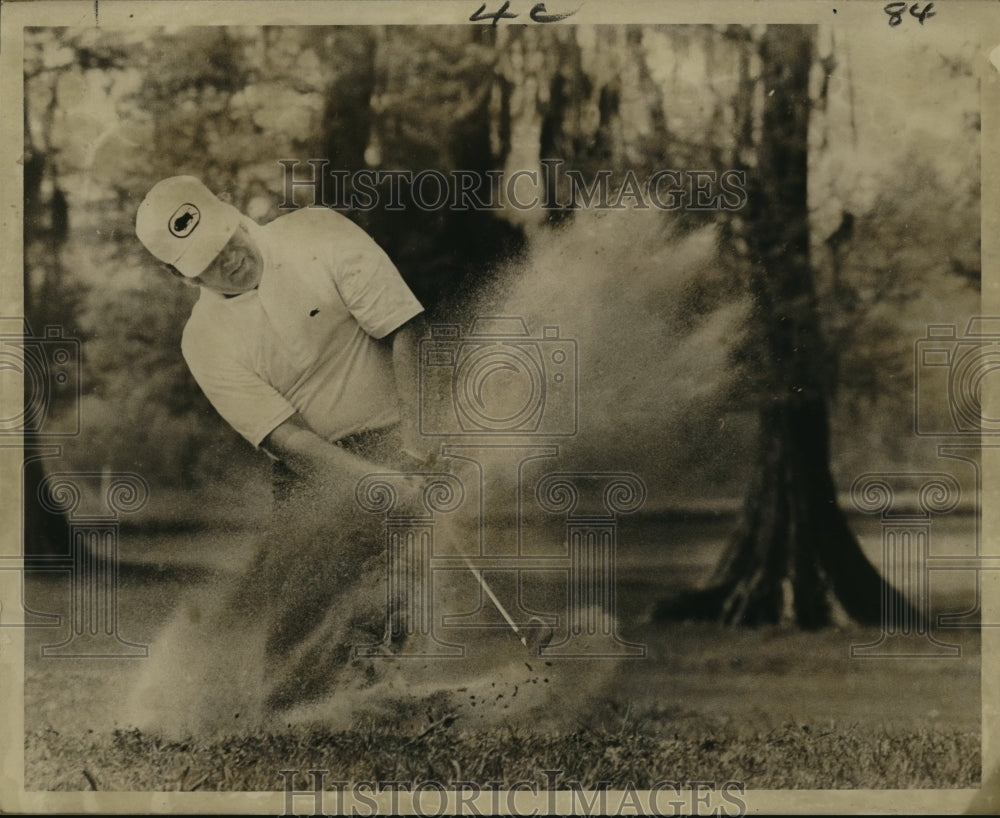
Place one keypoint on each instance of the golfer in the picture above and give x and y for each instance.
(303, 337)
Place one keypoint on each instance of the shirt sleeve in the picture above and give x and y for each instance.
(370, 285)
(245, 401)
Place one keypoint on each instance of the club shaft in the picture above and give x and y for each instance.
(493, 598)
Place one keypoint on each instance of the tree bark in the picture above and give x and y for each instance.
(347, 118)
(46, 533)
(793, 556)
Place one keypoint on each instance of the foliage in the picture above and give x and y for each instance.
(223, 104)
(108, 113)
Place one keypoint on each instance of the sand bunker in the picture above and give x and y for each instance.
(277, 646)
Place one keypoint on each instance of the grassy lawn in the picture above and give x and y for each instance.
(681, 746)
(771, 707)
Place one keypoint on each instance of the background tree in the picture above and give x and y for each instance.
(51, 295)
(794, 552)
(227, 103)
(430, 108)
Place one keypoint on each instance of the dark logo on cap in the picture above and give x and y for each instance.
(184, 220)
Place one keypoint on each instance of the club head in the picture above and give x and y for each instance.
(537, 634)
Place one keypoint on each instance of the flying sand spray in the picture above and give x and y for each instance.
(279, 644)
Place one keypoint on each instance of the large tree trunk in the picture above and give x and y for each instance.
(793, 555)
(46, 533)
(347, 119)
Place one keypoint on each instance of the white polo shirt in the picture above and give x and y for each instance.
(305, 339)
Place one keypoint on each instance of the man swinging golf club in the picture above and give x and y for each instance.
(303, 337)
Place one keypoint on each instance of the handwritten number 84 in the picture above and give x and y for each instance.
(895, 12)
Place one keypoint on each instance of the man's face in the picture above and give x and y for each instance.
(238, 267)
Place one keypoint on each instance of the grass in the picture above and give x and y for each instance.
(774, 708)
(792, 756)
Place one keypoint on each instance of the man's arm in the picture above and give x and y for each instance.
(328, 470)
(313, 458)
(405, 360)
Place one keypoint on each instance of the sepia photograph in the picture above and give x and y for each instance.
(507, 407)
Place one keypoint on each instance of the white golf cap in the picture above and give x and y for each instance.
(182, 223)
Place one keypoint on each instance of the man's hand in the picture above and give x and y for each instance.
(329, 471)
